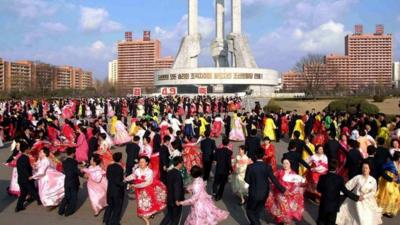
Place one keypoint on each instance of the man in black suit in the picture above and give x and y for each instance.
(300, 144)
(354, 160)
(207, 147)
(222, 170)
(132, 154)
(332, 147)
(371, 150)
(175, 194)
(115, 191)
(252, 144)
(71, 184)
(93, 143)
(156, 139)
(330, 185)
(382, 156)
(25, 180)
(178, 141)
(258, 175)
(164, 158)
(294, 157)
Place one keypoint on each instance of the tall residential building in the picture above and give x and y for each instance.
(396, 74)
(113, 72)
(367, 62)
(63, 77)
(44, 76)
(2, 74)
(19, 76)
(137, 62)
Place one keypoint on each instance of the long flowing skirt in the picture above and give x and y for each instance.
(388, 197)
(239, 186)
(236, 134)
(365, 212)
(97, 194)
(14, 189)
(155, 165)
(204, 212)
(312, 181)
(191, 157)
(216, 129)
(285, 209)
(51, 187)
(122, 137)
(151, 199)
(188, 130)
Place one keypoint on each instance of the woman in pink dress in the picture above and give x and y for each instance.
(82, 147)
(286, 208)
(236, 133)
(96, 184)
(121, 134)
(14, 189)
(50, 181)
(319, 166)
(217, 126)
(151, 194)
(203, 210)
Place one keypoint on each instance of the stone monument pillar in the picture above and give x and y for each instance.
(219, 47)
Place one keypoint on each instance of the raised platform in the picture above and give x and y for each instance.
(231, 79)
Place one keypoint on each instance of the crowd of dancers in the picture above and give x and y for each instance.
(171, 149)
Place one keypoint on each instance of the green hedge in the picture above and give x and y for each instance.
(272, 106)
(379, 98)
(351, 104)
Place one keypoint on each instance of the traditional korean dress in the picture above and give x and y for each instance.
(105, 154)
(388, 196)
(299, 126)
(269, 156)
(239, 186)
(121, 134)
(236, 133)
(14, 189)
(203, 210)
(82, 148)
(365, 212)
(191, 156)
(284, 208)
(269, 129)
(50, 182)
(97, 187)
(151, 194)
(319, 165)
(217, 127)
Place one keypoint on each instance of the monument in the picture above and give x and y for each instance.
(235, 67)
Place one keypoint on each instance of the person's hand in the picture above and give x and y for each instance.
(178, 203)
(361, 198)
(286, 193)
(165, 168)
(30, 178)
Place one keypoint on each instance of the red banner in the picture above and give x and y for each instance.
(165, 91)
(202, 90)
(137, 92)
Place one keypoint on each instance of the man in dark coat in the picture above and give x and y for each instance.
(164, 159)
(132, 154)
(93, 143)
(382, 156)
(222, 169)
(25, 180)
(330, 185)
(175, 194)
(115, 191)
(207, 147)
(252, 144)
(294, 157)
(71, 184)
(258, 175)
(354, 160)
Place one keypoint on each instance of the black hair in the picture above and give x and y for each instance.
(207, 133)
(296, 134)
(266, 139)
(332, 165)
(46, 151)
(260, 153)
(196, 171)
(371, 150)
(70, 151)
(253, 132)
(292, 145)
(103, 136)
(177, 160)
(380, 141)
(96, 159)
(396, 156)
(145, 159)
(225, 141)
(117, 156)
(166, 138)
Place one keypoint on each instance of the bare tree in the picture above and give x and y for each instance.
(314, 72)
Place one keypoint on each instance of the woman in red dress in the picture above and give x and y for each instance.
(342, 170)
(151, 194)
(286, 208)
(191, 154)
(319, 166)
(269, 150)
(284, 125)
(104, 152)
(217, 126)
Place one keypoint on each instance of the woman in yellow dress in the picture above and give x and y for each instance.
(269, 128)
(113, 123)
(388, 196)
(306, 156)
(299, 126)
(203, 124)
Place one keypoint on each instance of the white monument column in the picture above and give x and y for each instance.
(193, 17)
(236, 16)
(219, 19)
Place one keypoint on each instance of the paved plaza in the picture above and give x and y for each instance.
(38, 215)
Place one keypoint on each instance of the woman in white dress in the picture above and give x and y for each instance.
(365, 211)
(50, 181)
(239, 186)
(175, 124)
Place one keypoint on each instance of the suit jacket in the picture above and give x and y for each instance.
(301, 145)
(156, 143)
(164, 157)
(223, 158)
(24, 169)
(252, 144)
(330, 185)
(258, 175)
(175, 191)
(115, 177)
(295, 159)
(132, 154)
(93, 146)
(331, 149)
(382, 156)
(207, 147)
(353, 162)
(72, 173)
